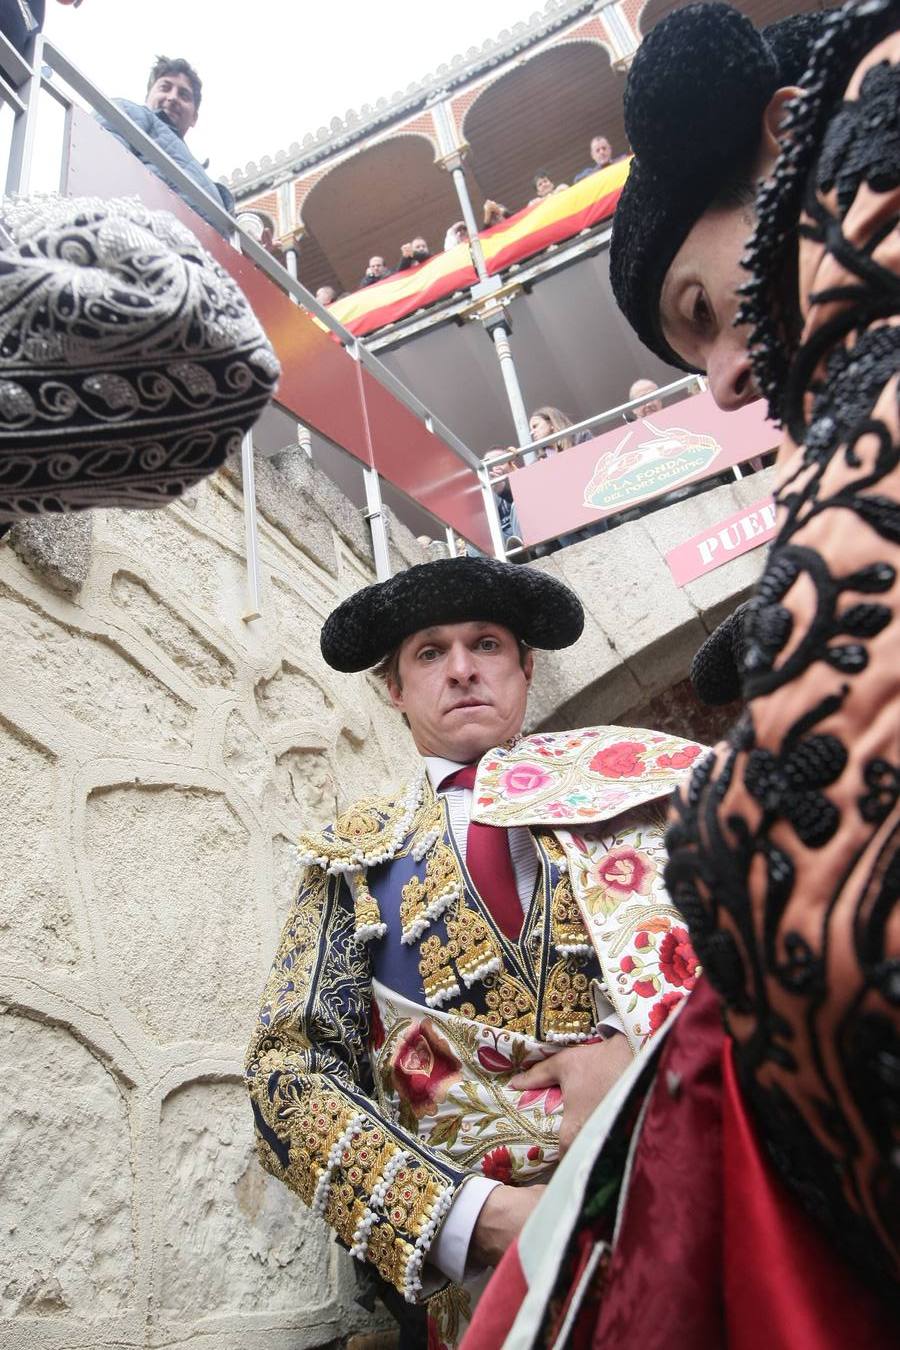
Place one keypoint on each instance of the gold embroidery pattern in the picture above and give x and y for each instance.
(450, 1311)
(389, 1253)
(436, 969)
(567, 930)
(473, 946)
(568, 1012)
(367, 920)
(423, 901)
(373, 831)
(327, 1143)
(510, 1005)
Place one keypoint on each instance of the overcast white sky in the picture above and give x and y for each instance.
(273, 70)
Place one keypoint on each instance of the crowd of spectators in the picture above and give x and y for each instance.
(416, 251)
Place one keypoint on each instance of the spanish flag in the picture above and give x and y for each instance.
(560, 216)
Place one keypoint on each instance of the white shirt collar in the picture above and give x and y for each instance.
(438, 769)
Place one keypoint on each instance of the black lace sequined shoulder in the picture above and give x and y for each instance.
(785, 847)
(860, 143)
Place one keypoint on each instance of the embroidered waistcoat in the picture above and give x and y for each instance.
(397, 1011)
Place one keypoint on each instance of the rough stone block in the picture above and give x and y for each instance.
(88, 678)
(173, 890)
(65, 1179)
(172, 631)
(36, 924)
(178, 561)
(58, 548)
(305, 789)
(404, 545)
(286, 872)
(246, 757)
(628, 589)
(313, 497)
(585, 684)
(234, 1238)
(289, 695)
(284, 495)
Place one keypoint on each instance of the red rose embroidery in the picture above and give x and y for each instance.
(498, 1164)
(621, 760)
(681, 759)
(624, 871)
(677, 961)
(660, 1011)
(627, 964)
(376, 1027)
(642, 939)
(645, 988)
(522, 778)
(424, 1068)
(535, 1154)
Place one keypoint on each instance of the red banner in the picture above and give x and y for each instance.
(636, 463)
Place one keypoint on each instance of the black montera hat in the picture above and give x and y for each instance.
(696, 92)
(370, 624)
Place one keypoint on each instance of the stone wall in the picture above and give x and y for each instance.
(157, 756)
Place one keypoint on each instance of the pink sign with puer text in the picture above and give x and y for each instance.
(719, 543)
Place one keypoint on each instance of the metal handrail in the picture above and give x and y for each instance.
(687, 384)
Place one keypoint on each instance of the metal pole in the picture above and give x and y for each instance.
(377, 524)
(251, 532)
(21, 150)
(500, 338)
(304, 440)
(493, 515)
(452, 153)
(465, 203)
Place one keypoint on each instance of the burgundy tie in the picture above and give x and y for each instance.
(489, 863)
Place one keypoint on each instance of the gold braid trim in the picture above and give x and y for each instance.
(382, 1201)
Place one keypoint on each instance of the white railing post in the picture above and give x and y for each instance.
(377, 525)
(21, 150)
(251, 532)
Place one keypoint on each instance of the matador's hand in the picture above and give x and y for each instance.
(584, 1075)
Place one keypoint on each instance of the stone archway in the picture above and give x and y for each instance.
(372, 203)
(542, 115)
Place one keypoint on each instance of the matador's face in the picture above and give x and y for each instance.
(463, 688)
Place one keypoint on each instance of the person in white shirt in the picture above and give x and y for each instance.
(470, 963)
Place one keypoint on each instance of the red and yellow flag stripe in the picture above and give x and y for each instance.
(559, 216)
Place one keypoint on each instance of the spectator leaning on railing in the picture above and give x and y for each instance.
(544, 186)
(377, 270)
(166, 116)
(458, 233)
(601, 154)
(413, 253)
